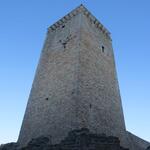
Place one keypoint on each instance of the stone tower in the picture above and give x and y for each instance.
(75, 85)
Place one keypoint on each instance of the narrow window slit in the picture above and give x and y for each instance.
(103, 49)
(90, 105)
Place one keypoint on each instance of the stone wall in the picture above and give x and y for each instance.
(99, 94)
(81, 139)
(137, 143)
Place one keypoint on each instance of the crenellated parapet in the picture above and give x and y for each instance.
(80, 9)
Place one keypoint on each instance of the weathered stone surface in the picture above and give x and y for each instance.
(9, 146)
(136, 143)
(83, 139)
(76, 140)
(38, 144)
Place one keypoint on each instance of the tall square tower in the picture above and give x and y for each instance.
(75, 85)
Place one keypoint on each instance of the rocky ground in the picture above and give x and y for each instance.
(76, 140)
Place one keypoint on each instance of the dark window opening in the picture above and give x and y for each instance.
(46, 98)
(90, 105)
(63, 26)
(103, 49)
(64, 44)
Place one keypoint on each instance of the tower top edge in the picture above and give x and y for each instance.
(80, 9)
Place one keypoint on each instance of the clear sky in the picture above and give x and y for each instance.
(23, 26)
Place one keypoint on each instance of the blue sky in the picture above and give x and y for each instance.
(23, 26)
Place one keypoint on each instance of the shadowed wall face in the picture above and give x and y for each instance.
(75, 84)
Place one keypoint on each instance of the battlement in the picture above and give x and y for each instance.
(80, 9)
